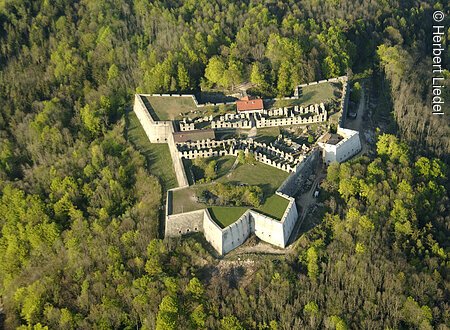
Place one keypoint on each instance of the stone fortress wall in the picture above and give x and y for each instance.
(315, 113)
(302, 171)
(160, 132)
(300, 165)
(349, 146)
(157, 131)
(294, 115)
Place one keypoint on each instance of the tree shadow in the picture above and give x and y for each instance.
(214, 97)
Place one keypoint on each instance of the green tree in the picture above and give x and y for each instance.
(183, 77)
(231, 323)
(167, 314)
(312, 260)
(215, 70)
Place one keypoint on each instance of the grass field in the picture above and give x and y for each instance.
(185, 200)
(267, 134)
(311, 95)
(225, 216)
(157, 155)
(265, 176)
(274, 206)
(224, 165)
(170, 108)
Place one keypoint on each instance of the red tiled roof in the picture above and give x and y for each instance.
(247, 104)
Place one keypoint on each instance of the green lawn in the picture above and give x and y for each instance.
(274, 206)
(224, 165)
(267, 177)
(157, 155)
(185, 200)
(311, 95)
(225, 216)
(170, 108)
(267, 134)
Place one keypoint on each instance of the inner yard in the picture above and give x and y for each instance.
(175, 108)
(264, 176)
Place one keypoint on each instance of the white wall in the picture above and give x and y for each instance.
(350, 147)
(212, 232)
(160, 132)
(289, 219)
(268, 229)
(157, 131)
(345, 149)
(236, 233)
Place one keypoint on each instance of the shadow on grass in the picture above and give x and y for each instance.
(150, 109)
(214, 97)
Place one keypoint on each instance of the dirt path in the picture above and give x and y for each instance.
(235, 164)
(359, 124)
(304, 202)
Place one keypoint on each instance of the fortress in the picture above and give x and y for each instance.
(202, 136)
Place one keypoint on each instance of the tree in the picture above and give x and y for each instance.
(195, 289)
(312, 260)
(284, 79)
(91, 119)
(356, 92)
(198, 317)
(167, 314)
(231, 323)
(183, 77)
(215, 70)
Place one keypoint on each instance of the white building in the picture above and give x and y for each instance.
(270, 230)
(341, 146)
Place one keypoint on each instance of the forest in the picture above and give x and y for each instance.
(80, 243)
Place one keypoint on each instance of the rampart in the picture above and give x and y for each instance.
(226, 239)
(160, 132)
(302, 171)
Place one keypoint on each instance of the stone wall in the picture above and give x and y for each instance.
(287, 121)
(268, 229)
(160, 132)
(302, 171)
(289, 219)
(194, 99)
(236, 233)
(223, 240)
(344, 102)
(205, 153)
(177, 162)
(157, 131)
(184, 223)
(212, 232)
(217, 124)
(341, 78)
(343, 150)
